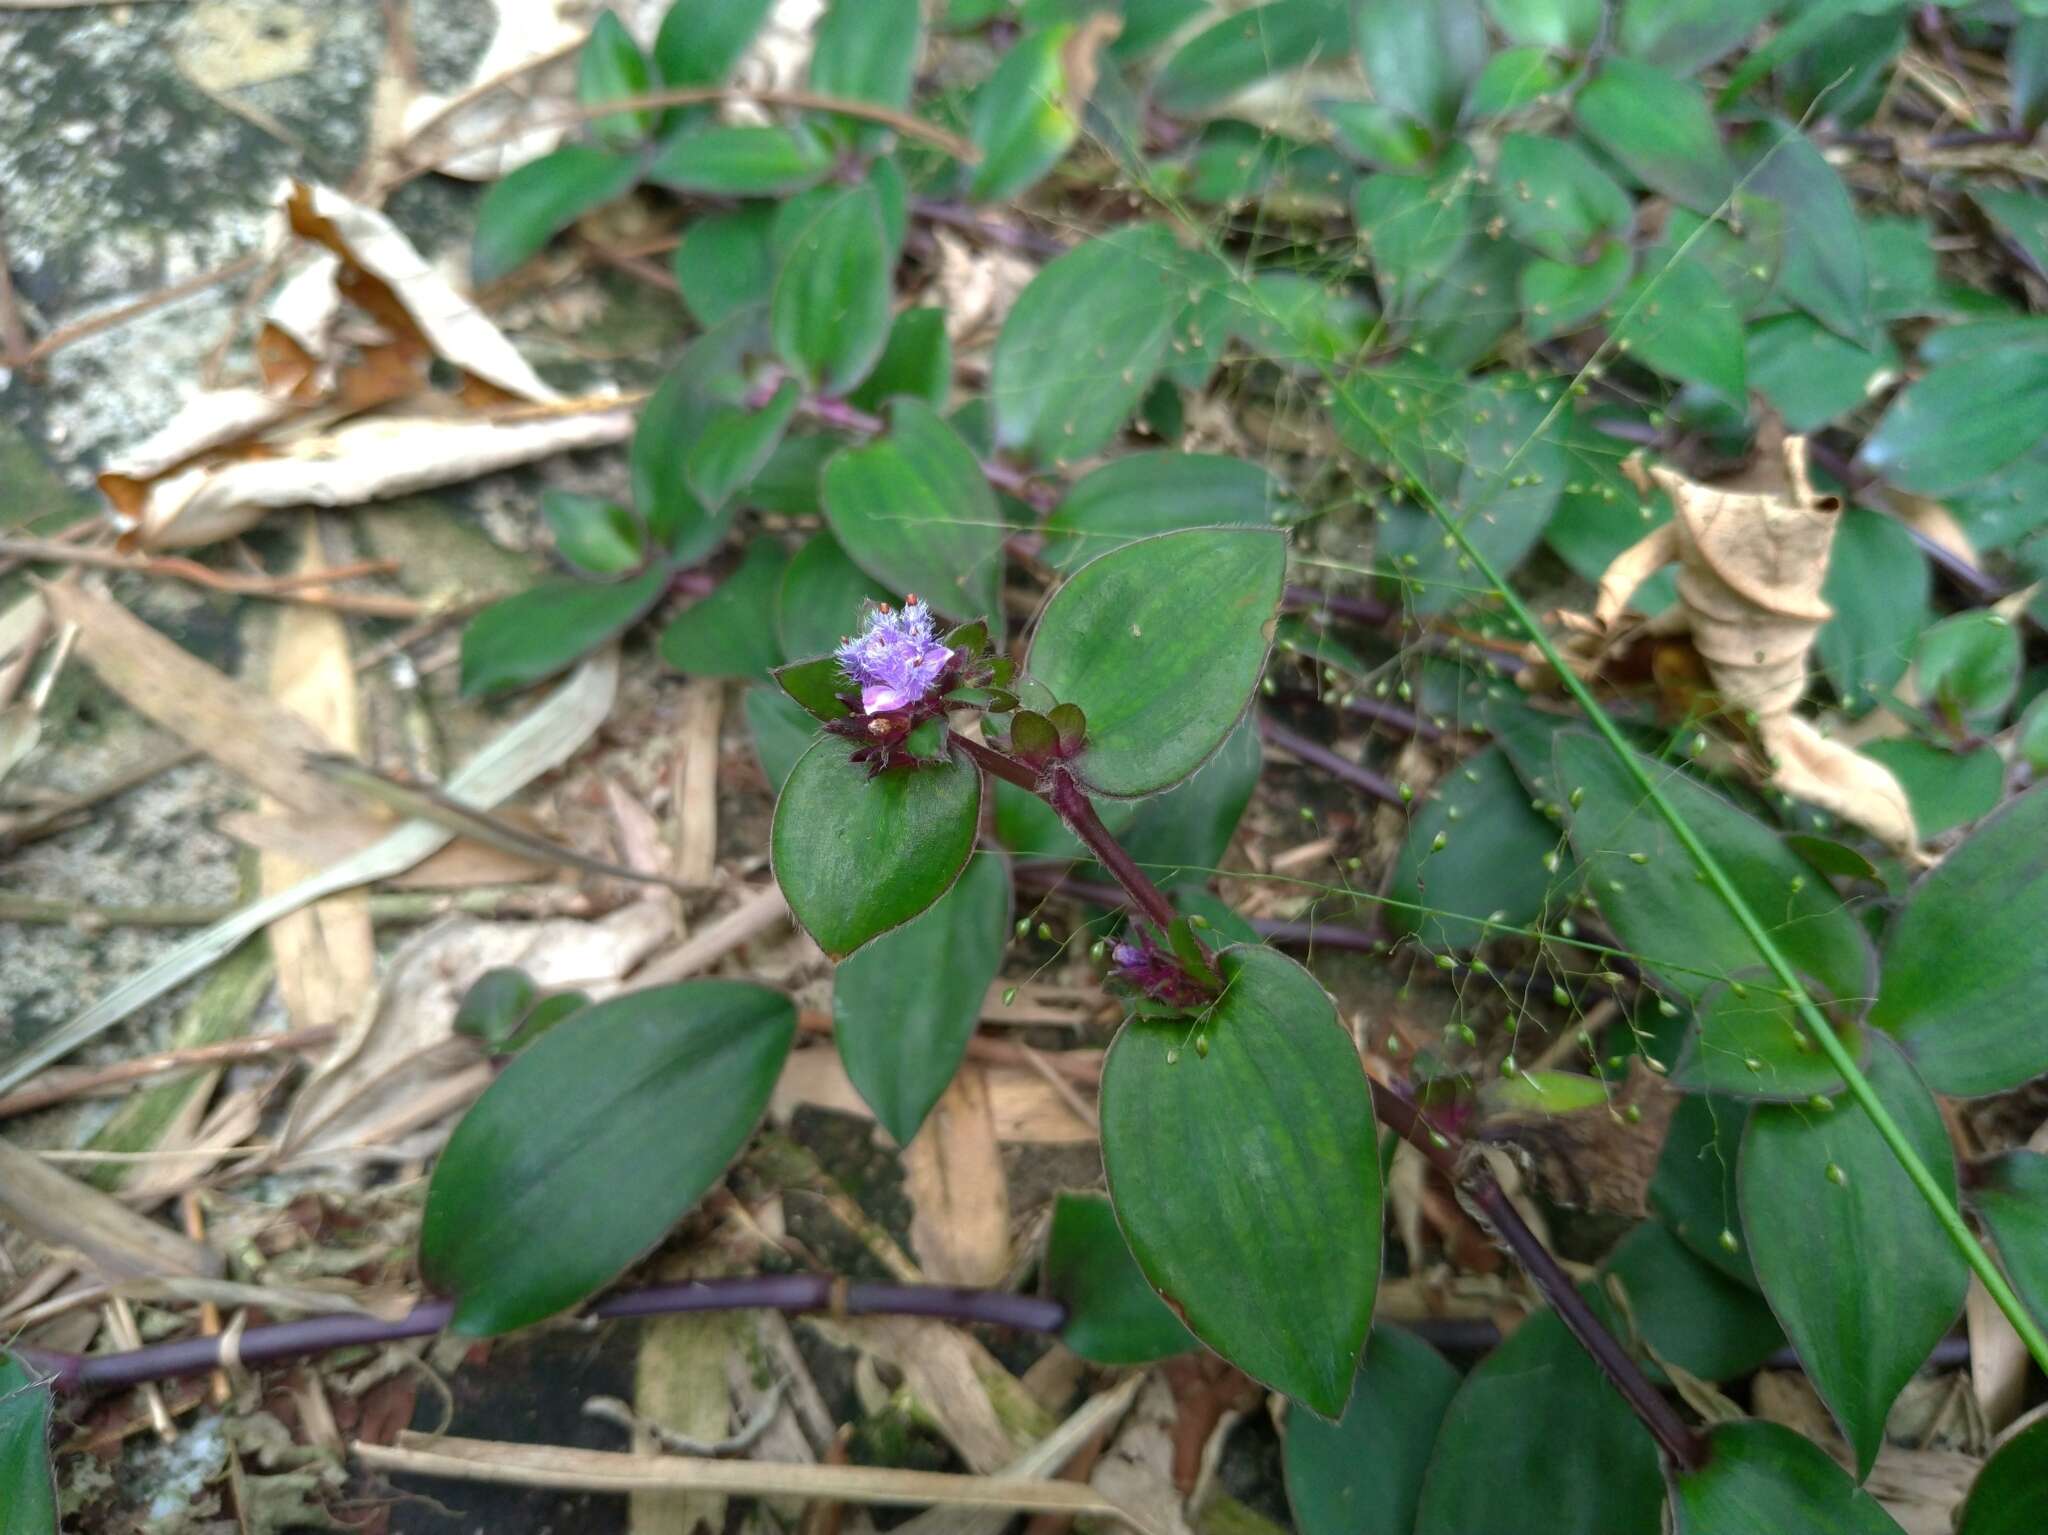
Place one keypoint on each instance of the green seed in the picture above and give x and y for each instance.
(1837, 1176)
(1728, 1242)
(1202, 1046)
(1009, 995)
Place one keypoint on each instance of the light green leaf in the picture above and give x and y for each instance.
(820, 601)
(742, 162)
(1944, 789)
(1686, 35)
(1568, 25)
(858, 856)
(1557, 201)
(1660, 130)
(611, 67)
(1513, 79)
(1161, 643)
(723, 265)
(1810, 374)
(1362, 1475)
(1022, 124)
(914, 510)
(866, 50)
(904, 1007)
(1242, 49)
(539, 200)
(525, 639)
(592, 533)
(1559, 297)
(1245, 1174)
(1963, 420)
(1083, 342)
(735, 445)
(830, 312)
(1678, 321)
(1420, 58)
(699, 44)
(1852, 1260)
(592, 1143)
(917, 362)
(1762, 1476)
(1963, 965)
(1968, 666)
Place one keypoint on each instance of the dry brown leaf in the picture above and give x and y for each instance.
(960, 1198)
(679, 1382)
(1752, 556)
(462, 865)
(326, 953)
(1026, 1109)
(62, 1213)
(527, 31)
(241, 729)
(386, 1074)
(1998, 1359)
(696, 780)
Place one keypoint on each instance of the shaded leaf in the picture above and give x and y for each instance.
(782, 731)
(1021, 122)
(1811, 375)
(1963, 420)
(904, 1007)
(830, 312)
(1146, 493)
(2006, 1497)
(1245, 1175)
(1968, 666)
(731, 632)
(820, 601)
(1362, 1475)
(1495, 860)
(1242, 49)
(1747, 1042)
(1762, 1476)
(1687, 1310)
(1182, 834)
(1852, 1260)
(28, 1490)
(700, 44)
(723, 265)
(1420, 58)
(1659, 129)
(1964, 967)
(916, 361)
(1557, 200)
(1113, 1315)
(742, 161)
(1684, 35)
(2010, 1197)
(1693, 1189)
(1559, 296)
(612, 68)
(536, 202)
(735, 445)
(1945, 789)
(593, 1142)
(592, 533)
(1676, 319)
(1821, 267)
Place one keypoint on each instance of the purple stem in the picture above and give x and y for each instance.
(1290, 935)
(280, 1341)
(1363, 779)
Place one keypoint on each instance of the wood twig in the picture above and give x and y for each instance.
(60, 1086)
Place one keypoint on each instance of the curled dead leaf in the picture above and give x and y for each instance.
(1752, 556)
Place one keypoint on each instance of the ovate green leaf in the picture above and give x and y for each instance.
(1362, 1475)
(1113, 1315)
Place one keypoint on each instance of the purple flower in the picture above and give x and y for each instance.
(896, 659)
(1146, 969)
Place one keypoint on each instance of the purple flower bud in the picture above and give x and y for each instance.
(896, 659)
(1142, 967)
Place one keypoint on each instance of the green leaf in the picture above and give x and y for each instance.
(723, 266)
(1689, 1312)
(1512, 80)
(1491, 862)
(820, 601)
(1677, 320)
(2010, 1197)
(1557, 201)
(529, 637)
(28, 1488)
(536, 202)
(1250, 46)
(699, 44)
(1964, 968)
(1021, 123)
(1968, 666)
(1822, 267)
(1362, 1475)
(1030, 828)
(1904, 282)
(1083, 342)
(1500, 1456)
(731, 632)
(1852, 1260)
(611, 67)
(782, 730)
(735, 445)
(1601, 513)
(904, 1007)
(1245, 1173)
(742, 162)
(496, 1003)
(1543, 1094)
(1762, 1476)
(1686, 35)
(592, 1143)
(1183, 833)
(1944, 789)
(917, 362)
(592, 533)
(2006, 1497)
(1677, 927)
(866, 50)
(1420, 58)
(1747, 1042)
(1491, 469)
(1145, 493)
(1962, 421)
(858, 856)
(1570, 25)
(913, 510)
(706, 378)
(830, 311)
(1659, 130)
(1558, 297)
(1113, 1316)
(2031, 736)
(1366, 130)
(1693, 1190)
(1161, 643)
(1462, 317)
(1415, 227)
(1811, 375)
